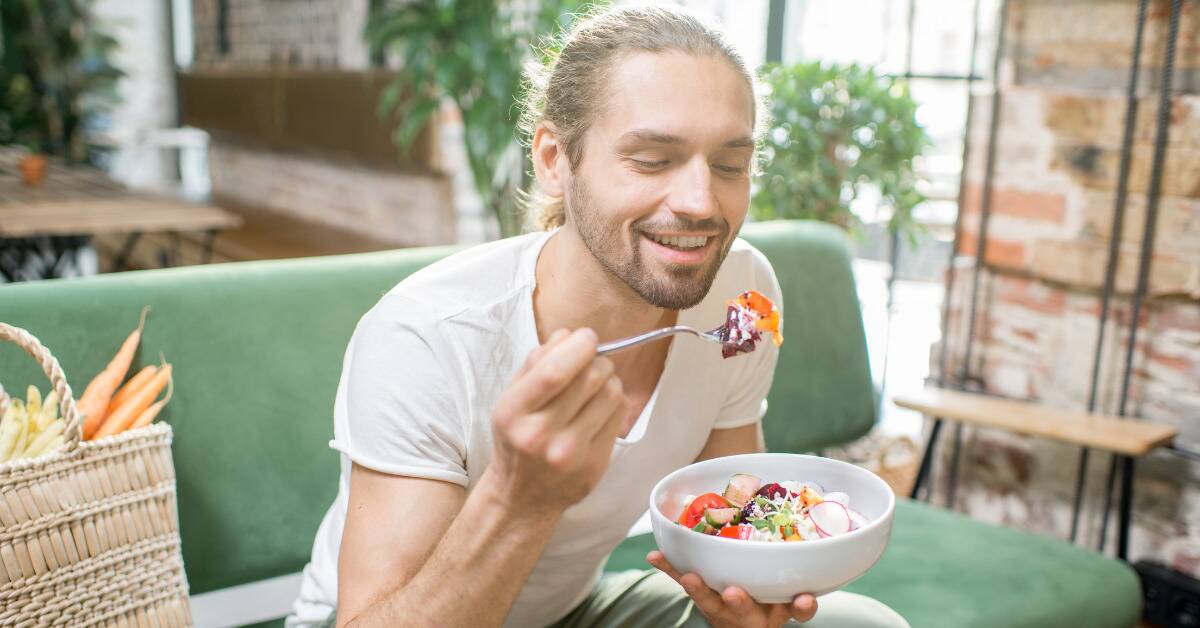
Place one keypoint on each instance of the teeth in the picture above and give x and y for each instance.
(682, 242)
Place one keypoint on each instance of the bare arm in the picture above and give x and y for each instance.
(424, 553)
(747, 439)
(398, 568)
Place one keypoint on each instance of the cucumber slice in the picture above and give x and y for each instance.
(741, 488)
(718, 517)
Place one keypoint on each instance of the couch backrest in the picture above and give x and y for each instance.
(258, 346)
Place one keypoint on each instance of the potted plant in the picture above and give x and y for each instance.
(32, 166)
(837, 132)
(56, 78)
(470, 53)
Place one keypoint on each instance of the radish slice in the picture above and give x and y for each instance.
(857, 520)
(840, 498)
(830, 518)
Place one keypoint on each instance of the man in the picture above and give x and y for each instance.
(490, 459)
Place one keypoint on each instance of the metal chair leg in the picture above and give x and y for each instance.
(126, 250)
(1126, 508)
(925, 471)
(209, 240)
(955, 463)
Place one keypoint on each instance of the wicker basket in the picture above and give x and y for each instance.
(89, 534)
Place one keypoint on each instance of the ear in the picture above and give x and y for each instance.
(549, 160)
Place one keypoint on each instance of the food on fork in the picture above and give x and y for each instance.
(746, 318)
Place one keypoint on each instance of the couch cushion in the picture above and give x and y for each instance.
(943, 569)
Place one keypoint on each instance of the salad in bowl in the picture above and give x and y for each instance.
(749, 510)
(819, 525)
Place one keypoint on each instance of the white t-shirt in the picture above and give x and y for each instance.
(427, 363)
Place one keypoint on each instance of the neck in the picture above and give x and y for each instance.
(574, 290)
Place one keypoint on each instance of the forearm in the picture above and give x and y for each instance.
(475, 572)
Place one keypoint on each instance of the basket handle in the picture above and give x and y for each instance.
(66, 404)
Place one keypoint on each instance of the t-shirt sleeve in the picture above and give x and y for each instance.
(746, 402)
(398, 410)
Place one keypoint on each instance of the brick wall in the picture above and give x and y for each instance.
(404, 208)
(1056, 169)
(307, 33)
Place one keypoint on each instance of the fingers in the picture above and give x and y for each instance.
(589, 383)
(541, 350)
(659, 562)
(734, 601)
(737, 600)
(709, 601)
(803, 608)
(605, 407)
(616, 422)
(554, 369)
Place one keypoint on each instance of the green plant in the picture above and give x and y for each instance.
(837, 132)
(470, 52)
(56, 77)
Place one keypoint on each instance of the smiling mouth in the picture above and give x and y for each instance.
(680, 243)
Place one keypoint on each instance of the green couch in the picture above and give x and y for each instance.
(258, 347)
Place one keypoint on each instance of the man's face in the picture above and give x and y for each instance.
(664, 181)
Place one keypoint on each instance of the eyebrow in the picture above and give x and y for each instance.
(647, 135)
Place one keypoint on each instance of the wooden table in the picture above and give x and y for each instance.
(1124, 437)
(83, 201)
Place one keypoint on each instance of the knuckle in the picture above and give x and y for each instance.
(594, 378)
(533, 356)
(528, 436)
(561, 463)
(550, 378)
(502, 418)
(562, 451)
(614, 386)
(604, 365)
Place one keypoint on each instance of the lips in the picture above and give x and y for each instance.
(679, 242)
(681, 250)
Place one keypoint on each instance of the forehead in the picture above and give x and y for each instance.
(700, 98)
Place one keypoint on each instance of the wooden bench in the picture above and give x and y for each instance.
(1124, 437)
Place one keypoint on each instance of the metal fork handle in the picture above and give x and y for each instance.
(650, 336)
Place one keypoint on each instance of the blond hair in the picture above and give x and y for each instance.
(567, 91)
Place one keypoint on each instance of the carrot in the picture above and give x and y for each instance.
(130, 387)
(150, 413)
(122, 417)
(94, 402)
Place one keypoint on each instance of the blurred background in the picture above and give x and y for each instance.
(151, 133)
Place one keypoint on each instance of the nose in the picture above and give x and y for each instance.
(692, 193)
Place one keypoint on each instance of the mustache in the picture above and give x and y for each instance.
(683, 223)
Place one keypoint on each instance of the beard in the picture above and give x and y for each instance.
(675, 287)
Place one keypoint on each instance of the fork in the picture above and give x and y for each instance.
(657, 334)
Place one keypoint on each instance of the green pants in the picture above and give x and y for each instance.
(650, 599)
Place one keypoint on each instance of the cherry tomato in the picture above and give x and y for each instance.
(741, 531)
(695, 510)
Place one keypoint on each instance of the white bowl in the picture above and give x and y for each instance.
(774, 572)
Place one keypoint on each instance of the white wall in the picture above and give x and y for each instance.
(147, 91)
